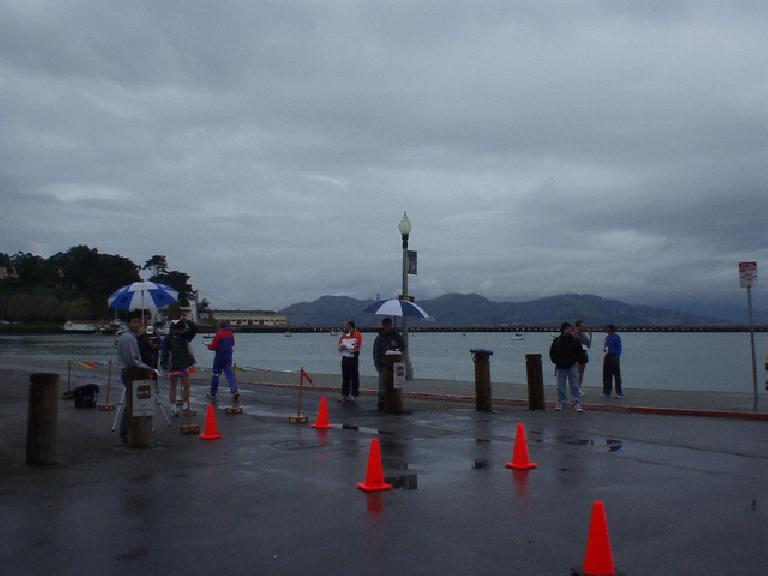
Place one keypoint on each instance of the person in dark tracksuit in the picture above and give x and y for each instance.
(388, 339)
(612, 363)
(223, 344)
(566, 353)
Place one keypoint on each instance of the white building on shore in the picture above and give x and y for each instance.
(251, 318)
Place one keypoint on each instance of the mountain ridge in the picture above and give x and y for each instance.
(456, 309)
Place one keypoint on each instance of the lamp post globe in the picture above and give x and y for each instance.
(405, 225)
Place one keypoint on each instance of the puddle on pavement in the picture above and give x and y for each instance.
(612, 444)
(403, 481)
(297, 444)
(365, 430)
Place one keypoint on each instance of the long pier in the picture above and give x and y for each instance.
(524, 329)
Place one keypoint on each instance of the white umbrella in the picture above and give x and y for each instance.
(396, 307)
(143, 295)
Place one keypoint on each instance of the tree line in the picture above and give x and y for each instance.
(76, 284)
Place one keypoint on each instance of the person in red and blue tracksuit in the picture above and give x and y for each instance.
(223, 344)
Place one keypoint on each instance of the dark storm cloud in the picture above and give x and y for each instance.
(270, 148)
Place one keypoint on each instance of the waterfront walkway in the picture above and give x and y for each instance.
(639, 400)
(682, 495)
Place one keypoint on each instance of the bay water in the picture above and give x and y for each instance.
(708, 361)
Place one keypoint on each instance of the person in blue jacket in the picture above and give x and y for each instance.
(612, 363)
(223, 344)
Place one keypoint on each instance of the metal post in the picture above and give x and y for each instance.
(299, 418)
(109, 378)
(407, 352)
(752, 342)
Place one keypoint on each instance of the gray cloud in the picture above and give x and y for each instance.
(269, 149)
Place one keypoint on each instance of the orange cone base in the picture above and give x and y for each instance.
(322, 427)
(373, 487)
(528, 466)
(211, 436)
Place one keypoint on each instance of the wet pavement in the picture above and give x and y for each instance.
(682, 495)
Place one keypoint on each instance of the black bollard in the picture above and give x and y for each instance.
(482, 379)
(42, 419)
(535, 382)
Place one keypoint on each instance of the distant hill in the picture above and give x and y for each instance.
(474, 309)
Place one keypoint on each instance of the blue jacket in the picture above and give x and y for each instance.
(613, 343)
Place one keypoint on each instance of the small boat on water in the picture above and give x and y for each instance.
(80, 327)
(518, 336)
(288, 334)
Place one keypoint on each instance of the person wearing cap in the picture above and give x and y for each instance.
(149, 346)
(566, 353)
(586, 343)
(177, 359)
(223, 344)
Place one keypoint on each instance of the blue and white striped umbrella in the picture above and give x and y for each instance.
(396, 307)
(143, 295)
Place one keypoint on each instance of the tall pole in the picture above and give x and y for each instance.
(752, 342)
(407, 354)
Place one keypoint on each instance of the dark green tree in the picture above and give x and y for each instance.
(178, 281)
(34, 270)
(158, 265)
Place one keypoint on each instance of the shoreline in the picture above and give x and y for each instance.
(637, 400)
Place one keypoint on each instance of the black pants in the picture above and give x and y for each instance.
(611, 371)
(350, 383)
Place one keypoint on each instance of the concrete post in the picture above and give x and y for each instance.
(535, 378)
(482, 379)
(139, 427)
(42, 418)
(393, 402)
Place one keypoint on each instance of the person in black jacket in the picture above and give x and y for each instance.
(388, 339)
(176, 360)
(566, 353)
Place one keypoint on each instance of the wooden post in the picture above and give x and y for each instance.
(139, 427)
(393, 402)
(535, 381)
(482, 379)
(42, 418)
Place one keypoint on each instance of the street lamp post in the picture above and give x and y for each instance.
(405, 231)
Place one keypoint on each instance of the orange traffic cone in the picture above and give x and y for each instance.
(211, 431)
(374, 476)
(321, 421)
(598, 559)
(520, 458)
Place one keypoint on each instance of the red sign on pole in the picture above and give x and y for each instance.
(747, 274)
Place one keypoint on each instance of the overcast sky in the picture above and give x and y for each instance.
(269, 149)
